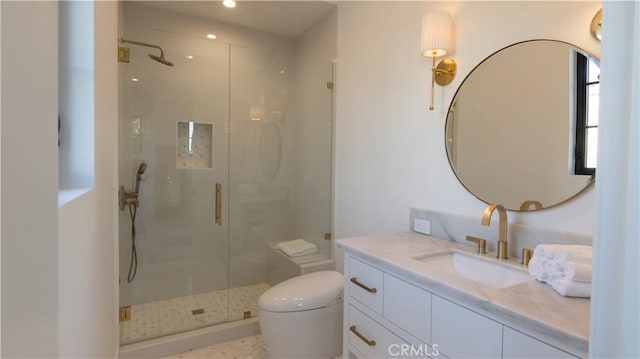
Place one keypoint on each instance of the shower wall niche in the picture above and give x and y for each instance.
(194, 145)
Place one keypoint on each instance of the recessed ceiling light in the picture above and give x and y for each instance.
(190, 57)
(229, 3)
(282, 71)
(211, 36)
(135, 79)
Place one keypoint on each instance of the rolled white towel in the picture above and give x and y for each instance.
(536, 267)
(578, 272)
(547, 251)
(543, 269)
(570, 288)
(297, 248)
(552, 268)
(574, 253)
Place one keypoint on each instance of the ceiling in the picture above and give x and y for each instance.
(288, 19)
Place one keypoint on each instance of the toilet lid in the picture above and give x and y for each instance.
(309, 291)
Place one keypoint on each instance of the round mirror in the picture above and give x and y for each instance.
(522, 127)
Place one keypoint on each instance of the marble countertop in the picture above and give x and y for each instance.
(532, 307)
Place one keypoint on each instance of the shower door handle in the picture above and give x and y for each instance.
(219, 204)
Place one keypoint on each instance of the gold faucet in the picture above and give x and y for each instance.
(503, 251)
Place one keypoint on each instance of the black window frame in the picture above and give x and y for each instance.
(582, 103)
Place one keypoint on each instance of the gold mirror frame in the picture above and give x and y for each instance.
(596, 25)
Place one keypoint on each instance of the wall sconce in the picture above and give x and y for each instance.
(436, 42)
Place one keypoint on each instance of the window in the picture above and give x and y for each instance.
(587, 108)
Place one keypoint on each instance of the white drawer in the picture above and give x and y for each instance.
(462, 333)
(519, 345)
(408, 307)
(370, 338)
(366, 284)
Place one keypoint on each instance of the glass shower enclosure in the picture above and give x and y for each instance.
(221, 155)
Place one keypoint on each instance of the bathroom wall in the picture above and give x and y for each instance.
(59, 290)
(87, 225)
(29, 202)
(390, 152)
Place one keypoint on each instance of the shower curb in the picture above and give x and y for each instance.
(195, 339)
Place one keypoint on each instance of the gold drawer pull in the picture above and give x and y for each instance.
(354, 280)
(371, 343)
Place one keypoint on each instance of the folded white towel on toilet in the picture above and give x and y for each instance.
(579, 272)
(297, 248)
(570, 288)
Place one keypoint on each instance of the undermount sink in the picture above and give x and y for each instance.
(483, 270)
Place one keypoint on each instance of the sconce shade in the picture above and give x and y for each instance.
(436, 34)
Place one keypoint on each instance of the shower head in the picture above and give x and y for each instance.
(161, 60)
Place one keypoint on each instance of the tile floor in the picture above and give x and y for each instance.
(245, 348)
(154, 319)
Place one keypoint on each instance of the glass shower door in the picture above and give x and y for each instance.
(176, 120)
(280, 168)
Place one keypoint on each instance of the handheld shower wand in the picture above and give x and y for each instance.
(141, 169)
(130, 198)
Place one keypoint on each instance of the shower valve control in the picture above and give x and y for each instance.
(127, 197)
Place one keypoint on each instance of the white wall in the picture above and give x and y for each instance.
(76, 95)
(58, 264)
(0, 185)
(29, 182)
(319, 41)
(390, 152)
(615, 300)
(87, 226)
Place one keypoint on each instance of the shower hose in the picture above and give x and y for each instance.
(133, 265)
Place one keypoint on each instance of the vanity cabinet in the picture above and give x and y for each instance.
(385, 313)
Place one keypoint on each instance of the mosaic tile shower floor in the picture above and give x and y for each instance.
(154, 319)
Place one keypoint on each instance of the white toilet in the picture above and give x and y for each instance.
(302, 317)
